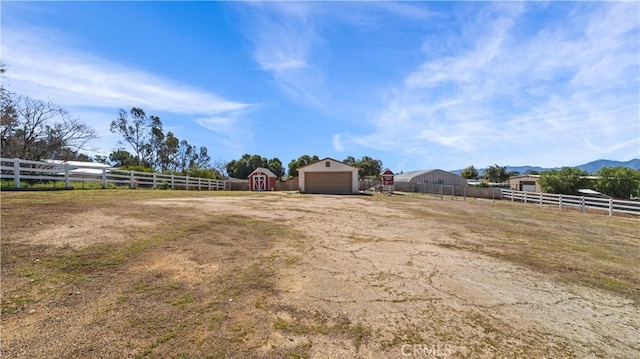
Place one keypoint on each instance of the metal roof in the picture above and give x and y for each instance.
(408, 176)
(265, 171)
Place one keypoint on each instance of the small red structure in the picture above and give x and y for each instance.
(387, 181)
(261, 179)
(387, 177)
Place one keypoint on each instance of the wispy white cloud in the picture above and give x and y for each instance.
(41, 64)
(232, 130)
(564, 92)
(288, 39)
(283, 36)
(337, 143)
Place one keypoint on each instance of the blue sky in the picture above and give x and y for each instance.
(416, 84)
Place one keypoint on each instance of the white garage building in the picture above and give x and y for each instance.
(328, 176)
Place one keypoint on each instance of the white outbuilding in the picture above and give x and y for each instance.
(431, 177)
(328, 176)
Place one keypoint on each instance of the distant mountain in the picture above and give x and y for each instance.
(597, 165)
(590, 167)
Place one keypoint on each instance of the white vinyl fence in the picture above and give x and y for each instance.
(581, 202)
(19, 171)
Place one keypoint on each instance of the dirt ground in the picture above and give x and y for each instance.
(284, 275)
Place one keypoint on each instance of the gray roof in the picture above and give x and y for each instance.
(265, 171)
(408, 176)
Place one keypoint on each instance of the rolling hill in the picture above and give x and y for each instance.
(590, 167)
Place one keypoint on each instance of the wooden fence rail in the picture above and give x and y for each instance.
(581, 202)
(18, 171)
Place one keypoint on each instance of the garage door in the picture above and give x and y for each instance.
(328, 182)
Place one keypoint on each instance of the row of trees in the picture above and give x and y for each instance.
(617, 182)
(496, 174)
(152, 148)
(241, 168)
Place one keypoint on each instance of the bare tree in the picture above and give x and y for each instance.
(34, 129)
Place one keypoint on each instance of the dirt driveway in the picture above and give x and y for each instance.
(315, 276)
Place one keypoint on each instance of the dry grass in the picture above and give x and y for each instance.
(592, 249)
(205, 285)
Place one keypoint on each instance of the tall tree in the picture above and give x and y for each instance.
(243, 167)
(469, 173)
(368, 167)
(275, 165)
(350, 160)
(168, 153)
(134, 131)
(202, 160)
(496, 174)
(152, 148)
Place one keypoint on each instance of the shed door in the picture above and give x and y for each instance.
(259, 183)
(328, 182)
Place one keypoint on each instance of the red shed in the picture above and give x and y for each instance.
(387, 177)
(387, 181)
(261, 179)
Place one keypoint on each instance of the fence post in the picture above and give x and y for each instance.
(540, 199)
(66, 175)
(582, 204)
(187, 180)
(154, 181)
(610, 207)
(16, 173)
(132, 180)
(172, 183)
(525, 197)
(199, 184)
(441, 191)
(560, 201)
(104, 178)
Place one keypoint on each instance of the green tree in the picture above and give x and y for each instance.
(168, 151)
(618, 182)
(275, 165)
(152, 148)
(369, 167)
(204, 173)
(135, 132)
(351, 161)
(496, 174)
(122, 158)
(469, 173)
(243, 167)
(567, 180)
(301, 162)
